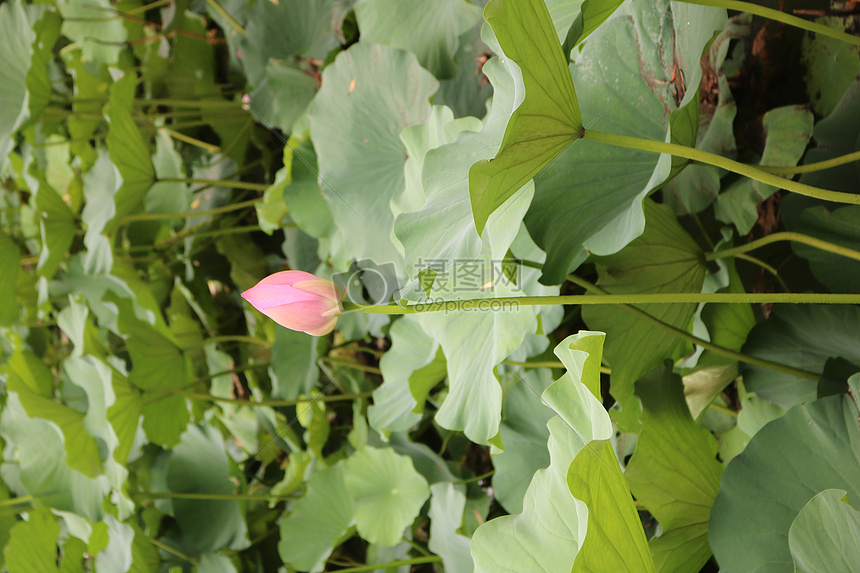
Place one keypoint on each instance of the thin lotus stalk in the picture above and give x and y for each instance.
(786, 236)
(779, 16)
(722, 162)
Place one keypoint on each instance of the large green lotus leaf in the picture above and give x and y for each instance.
(199, 465)
(388, 493)
(164, 418)
(591, 14)
(524, 433)
(284, 95)
(834, 136)
(369, 95)
(813, 447)
(167, 197)
(41, 467)
(840, 227)
(317, 521)
(31, 379)
(446, 517)
(157, 360)
(615, 540)
(825, 536)
(547, 535)
(549, 532)
(663, 259)
(467, 92)
(32, 546)
(439, 129)
(128, 150)
(548, 119)
(47, 32)
(123, 416)
(831, 65)
(430, 30)
(589, 199)
(57, 225)
(803, 336)
(443, 228)
(674, 472)
(286, 28)
(473, 344)
(296, 192)
(294, 368)
(16, 39)
(10, 256)
(788, 130)
(697, 186)
(90, 24)
(394, 405)
(100, 186)
(114, 433)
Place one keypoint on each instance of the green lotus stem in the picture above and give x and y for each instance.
(268, 403)
(150, 6)
(474, 479)
(217, 7)
(811, 167)
(723, 409)
(786, 236)
(17, 500)
(238, 230)
(513, 302)
(722, 162)
(766, 267)
(231, 338)
(185, 102)
(189, 214)
(778, 16)
(208, 496)
(217, 183)
(349, 364)
(173, 551)
(194, 141)
(398, 563)
(684, 335)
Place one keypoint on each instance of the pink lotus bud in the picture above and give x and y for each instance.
(298, 300)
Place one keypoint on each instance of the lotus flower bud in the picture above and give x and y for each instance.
(298, 300)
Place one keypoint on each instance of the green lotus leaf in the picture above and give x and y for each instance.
(548, 119)
(369, 95)
(446, 517)
(803, 336)
(16, 39)
(615, 540)
(388, 493)
(430, 30)
(825, 536)
(317, 521)
(663, 259)
(814, 447)
(674, 473)
(199, 465)
(549, 532)
(589, 199)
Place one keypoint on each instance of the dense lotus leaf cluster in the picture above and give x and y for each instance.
(181, 180)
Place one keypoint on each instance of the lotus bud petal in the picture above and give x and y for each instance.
(298, 300)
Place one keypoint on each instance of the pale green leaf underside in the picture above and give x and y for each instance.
(825, 536)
